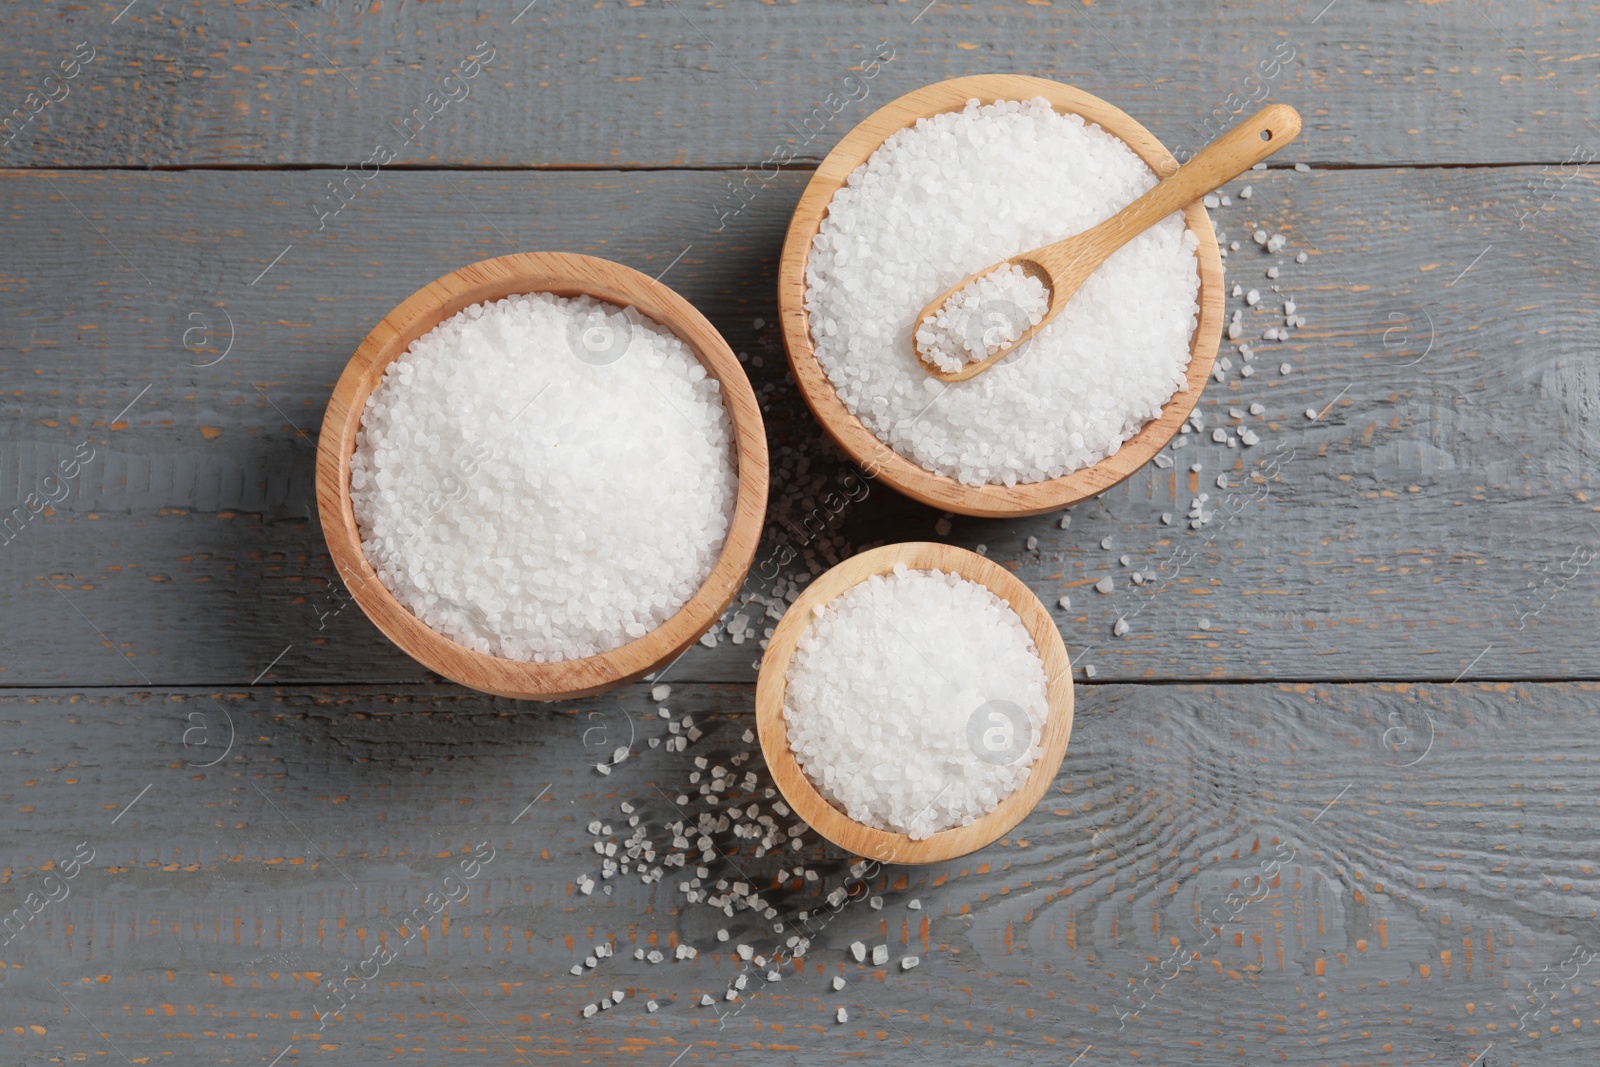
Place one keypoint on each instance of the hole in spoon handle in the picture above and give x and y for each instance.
(1260, 135)
(1236, 151)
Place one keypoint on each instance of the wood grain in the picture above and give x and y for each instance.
(825, 818)
(491, 280)
(1433, 510)
(1439, 866)
(264, 82)
(1366, 872)
(864, 446)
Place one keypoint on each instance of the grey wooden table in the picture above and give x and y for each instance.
(1330, 800)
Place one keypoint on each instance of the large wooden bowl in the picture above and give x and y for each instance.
(492, 279)
(835, 825)
(860, 443)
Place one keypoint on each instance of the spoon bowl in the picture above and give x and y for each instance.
(861, 444)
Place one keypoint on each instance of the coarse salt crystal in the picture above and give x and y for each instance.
(497, 486)
(963, 190)
(978, 320)
(873, 647)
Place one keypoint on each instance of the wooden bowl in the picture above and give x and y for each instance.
(835, 825)
(492, 279)
(860, 443)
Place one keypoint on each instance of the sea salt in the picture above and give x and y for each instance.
(544, 478)
(950, 196)
(915, 702)
(984, 316)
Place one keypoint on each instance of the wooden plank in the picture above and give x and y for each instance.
(714, 84)
(1441, 504)
(1430, 877)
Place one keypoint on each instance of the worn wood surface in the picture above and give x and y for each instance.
(1344, 754)
(1432, 848)
(1434, 509)
(187, 83)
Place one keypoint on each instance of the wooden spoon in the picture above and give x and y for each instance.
(1064, 266)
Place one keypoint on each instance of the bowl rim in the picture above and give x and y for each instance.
(876, 458)
(772, 683)
(562, 274)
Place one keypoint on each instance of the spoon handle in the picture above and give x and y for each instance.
(1247, 144)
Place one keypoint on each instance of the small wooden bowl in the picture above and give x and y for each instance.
(860, 443)
(835, 825)
(492, 279)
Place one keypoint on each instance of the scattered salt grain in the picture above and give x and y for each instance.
(838, 983)
(497, 485)
(909, 962)
(872, 647)
(842, 1015)
(880, 955)
(1105, 585)
(658, 693)
(914, 904)
(859, 951)
(950, 195)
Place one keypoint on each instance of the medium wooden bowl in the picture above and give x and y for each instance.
(860, 443)
(835, 825)
(492, 279)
